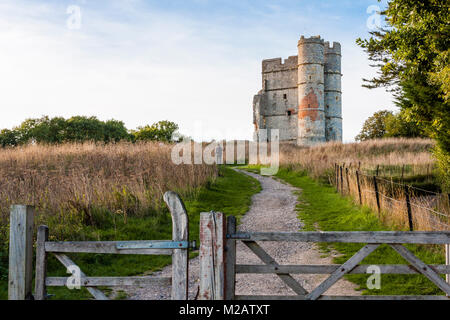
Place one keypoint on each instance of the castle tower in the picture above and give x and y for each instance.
(301, 96)
(311, 103)
(333, 92)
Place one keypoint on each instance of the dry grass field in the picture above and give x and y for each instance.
(320, 160)
(74, 185)
(411, 158)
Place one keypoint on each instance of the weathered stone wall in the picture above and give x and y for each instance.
(280, 91)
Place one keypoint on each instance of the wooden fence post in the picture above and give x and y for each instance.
(212, 256)
(348, 181)
(336, 172)
(40, 291)
(342, 180)
(359, 187)
(21, 253)
(377, 195)
(408, 206)
(230, 260)
(180, 257)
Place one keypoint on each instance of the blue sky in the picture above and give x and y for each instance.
(195, 62)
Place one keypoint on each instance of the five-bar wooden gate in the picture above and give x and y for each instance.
(218, 266)
(178, 248)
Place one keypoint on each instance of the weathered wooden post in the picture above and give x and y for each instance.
(212, 256)
(342, 180)
(40, 291)
(336, 172)
(21, 253)
(348, 181)
(359, 187)
(377, 195)
(180, 257)
(230, 260)
(408, 207)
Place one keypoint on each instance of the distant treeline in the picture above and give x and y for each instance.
(80, 129)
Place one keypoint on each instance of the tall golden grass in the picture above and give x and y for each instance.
(69, 184)
(429, 212)
(319, 160)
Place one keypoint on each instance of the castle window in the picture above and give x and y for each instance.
(285, 96)
(289, 113)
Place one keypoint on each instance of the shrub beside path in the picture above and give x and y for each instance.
(273, 209)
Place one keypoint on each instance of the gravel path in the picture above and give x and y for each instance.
(273, 209)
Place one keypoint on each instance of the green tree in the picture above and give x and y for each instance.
(75, 129)
(412, 55)
(81, 129)
(115, 131)
(401, 124)
(161, 131)
(375, 126)
(8, 138)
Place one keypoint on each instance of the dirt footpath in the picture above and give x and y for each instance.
(273, 209)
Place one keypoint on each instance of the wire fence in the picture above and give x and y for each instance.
(406, 206)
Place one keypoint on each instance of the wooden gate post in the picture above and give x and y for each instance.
(21, 253)
(212, 256)
(230, 260)
(180, 257)
(40, 291)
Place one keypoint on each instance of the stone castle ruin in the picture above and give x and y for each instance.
(302, 97)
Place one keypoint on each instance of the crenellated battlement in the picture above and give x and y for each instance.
(277, 64)
(313, 39)
(334, 49)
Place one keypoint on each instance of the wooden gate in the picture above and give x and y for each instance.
(218, 266)
(178, 248)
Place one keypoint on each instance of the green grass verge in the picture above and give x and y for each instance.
(231, 193)
(320, 205)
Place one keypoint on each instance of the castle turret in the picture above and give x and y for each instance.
(311, 103)
(333, 92)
